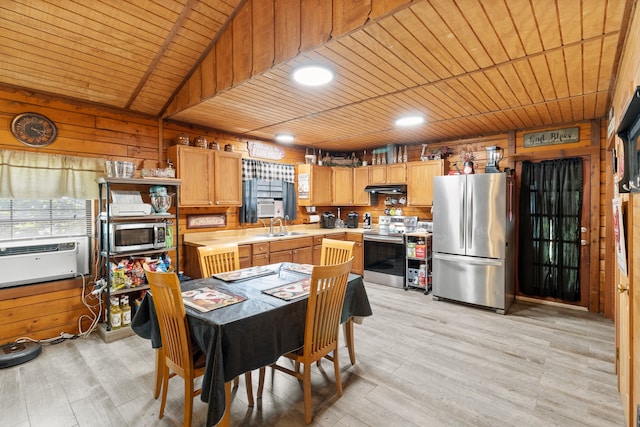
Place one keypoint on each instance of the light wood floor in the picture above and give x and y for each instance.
(419, 363)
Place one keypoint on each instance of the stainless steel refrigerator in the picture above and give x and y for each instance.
(473, 227)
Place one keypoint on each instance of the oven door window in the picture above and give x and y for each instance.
(384, 257)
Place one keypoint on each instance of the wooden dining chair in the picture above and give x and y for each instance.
(324, 308)
(180, 355)
(221, 259)
(336, 252)
(218, 259)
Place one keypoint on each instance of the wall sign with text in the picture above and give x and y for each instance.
(551, 137)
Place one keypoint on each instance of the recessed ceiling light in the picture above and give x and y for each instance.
(284, 137)
(312, 75)
(407, 121)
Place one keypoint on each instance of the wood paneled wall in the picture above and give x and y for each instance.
(43, 311)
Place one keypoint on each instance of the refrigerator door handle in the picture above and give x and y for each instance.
(469, 214)
(469, 260)
(462, 216)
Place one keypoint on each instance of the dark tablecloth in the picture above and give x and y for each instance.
(248, 335)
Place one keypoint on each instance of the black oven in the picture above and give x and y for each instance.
(384, 259)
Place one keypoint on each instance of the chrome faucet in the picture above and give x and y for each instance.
(272, 221)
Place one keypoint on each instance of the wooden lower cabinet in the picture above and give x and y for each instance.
(291, 250)
(357, 266)
(303, 250)
(246, 259)
(260, 253)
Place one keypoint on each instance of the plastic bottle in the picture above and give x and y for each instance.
(116, 313)
(126, 310)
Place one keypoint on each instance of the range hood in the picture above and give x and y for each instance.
(386, 189)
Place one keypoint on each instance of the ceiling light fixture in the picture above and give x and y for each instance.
(408, 121)
(284, 138)
(312, 75)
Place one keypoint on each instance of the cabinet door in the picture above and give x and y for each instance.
(360, 181)
(420, 181)
(357, 266)
(314, 185)
(378, 174)
(302, 255)
(317, 255)
(397, 173)
(193, 166)
(227, 173)
(281, 256)
(342, 188)
(260, 259)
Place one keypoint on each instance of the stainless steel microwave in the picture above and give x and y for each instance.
(139, 236)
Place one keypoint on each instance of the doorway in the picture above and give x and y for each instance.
(552, 214)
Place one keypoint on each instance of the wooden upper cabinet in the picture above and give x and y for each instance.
(342, 186)
(194, 167)
(360, 181)
(420, 181)
(388, 174)
(227, 178)
(314, 185)
(208, 177)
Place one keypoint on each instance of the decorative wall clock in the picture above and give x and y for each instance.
(33, 129)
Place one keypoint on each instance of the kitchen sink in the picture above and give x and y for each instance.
(288, 233)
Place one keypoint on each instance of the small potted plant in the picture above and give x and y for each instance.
(467, 157)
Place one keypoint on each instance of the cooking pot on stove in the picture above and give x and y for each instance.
(352, 220)
(328, 220)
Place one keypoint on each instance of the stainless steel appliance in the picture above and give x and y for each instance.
(384, 250)
(473, 223)
(141, 236)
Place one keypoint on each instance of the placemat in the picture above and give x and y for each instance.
(300, 268)
(244, 274)
(207, 299)
(290, 290)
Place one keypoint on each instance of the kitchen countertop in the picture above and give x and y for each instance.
(252, 235)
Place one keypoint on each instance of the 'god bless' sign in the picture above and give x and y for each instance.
(550, 137)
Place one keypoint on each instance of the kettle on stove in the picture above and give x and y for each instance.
(327, 220)
(352, 219)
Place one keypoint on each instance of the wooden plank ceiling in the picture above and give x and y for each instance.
(472, 67)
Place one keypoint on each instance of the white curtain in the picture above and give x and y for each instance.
(29, 175)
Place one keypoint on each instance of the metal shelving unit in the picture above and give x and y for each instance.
(106, 256)
(418, 261)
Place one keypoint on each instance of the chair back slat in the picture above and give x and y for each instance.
(335, 251)
(218, 259)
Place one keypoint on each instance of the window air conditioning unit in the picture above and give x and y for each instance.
(24, 262)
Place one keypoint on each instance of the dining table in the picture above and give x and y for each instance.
(252, 332)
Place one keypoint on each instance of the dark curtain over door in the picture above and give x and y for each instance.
(549, 240)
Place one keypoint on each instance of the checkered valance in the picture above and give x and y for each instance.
(256, 169)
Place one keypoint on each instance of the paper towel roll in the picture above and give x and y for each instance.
(314, 219)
